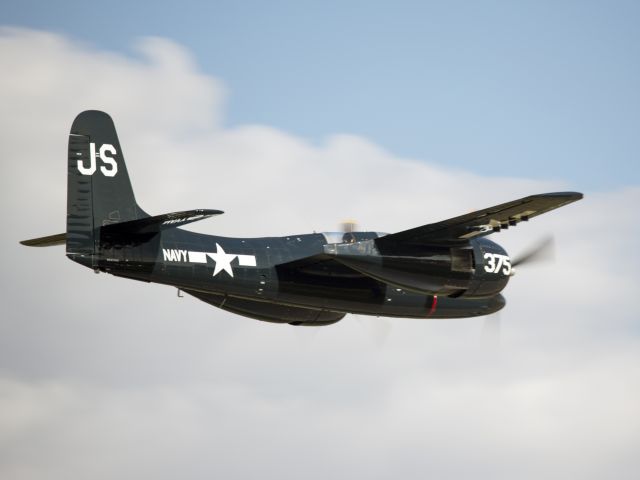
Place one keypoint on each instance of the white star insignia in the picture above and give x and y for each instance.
(223, 260)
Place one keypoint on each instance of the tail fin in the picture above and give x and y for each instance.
(102, 213)
(99, 191)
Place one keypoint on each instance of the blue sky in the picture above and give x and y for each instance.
(544, 90)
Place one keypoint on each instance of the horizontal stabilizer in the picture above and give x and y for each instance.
(150, 225)
(50, 241)
(480, 223)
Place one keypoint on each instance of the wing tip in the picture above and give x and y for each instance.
(569, 195)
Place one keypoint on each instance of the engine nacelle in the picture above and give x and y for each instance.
(478, 269)
(492, 269)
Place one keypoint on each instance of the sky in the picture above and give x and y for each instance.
(292, 117)
(537, 89)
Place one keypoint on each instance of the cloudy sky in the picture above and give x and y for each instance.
(291, 118)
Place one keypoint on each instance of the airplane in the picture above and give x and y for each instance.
(447, 269)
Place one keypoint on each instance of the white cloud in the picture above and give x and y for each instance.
(100, 377)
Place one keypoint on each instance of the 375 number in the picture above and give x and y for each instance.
(497, 263)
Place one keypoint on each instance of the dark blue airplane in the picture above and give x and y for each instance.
(447, 269)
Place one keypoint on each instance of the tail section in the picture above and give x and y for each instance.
(103, 218)
(99, 191)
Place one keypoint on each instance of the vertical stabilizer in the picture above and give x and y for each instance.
(99, 191)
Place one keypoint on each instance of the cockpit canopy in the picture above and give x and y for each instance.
(350, 237)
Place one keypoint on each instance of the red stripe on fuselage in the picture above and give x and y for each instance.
(434, 304)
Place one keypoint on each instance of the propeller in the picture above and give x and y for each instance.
(379, 327)
(491, 330)
(348, 227)
(542, 251)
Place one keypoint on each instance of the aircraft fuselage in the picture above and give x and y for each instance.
(223, 271)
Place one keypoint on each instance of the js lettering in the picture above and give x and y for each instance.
(105, 153)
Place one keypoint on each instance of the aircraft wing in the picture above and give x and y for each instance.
(269, 312)
(481, 222)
